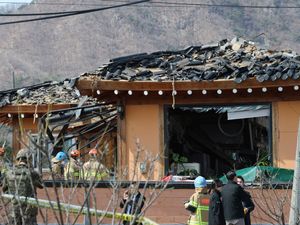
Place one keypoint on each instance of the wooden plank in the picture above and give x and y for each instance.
(227, 97)
(15, 109)
(102, 85)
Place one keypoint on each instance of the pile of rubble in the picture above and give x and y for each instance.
(46, 93)
(236, 59)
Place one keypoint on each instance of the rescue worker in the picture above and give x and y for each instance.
(2, 162)
(58, 163)
(73, 167)
(93, 169)
(22, 180)
(198, 204)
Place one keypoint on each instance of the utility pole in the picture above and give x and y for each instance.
(14, 80)
(294, 209)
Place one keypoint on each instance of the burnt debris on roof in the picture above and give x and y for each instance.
(50, 92)
(237, 59)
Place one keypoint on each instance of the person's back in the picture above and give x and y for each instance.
(232, 197)
(93, 169)
(22, 180)
(198, 204)
(215, 212)
(17, 180)
(57, 165)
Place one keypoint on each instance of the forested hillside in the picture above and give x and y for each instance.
(67, 47)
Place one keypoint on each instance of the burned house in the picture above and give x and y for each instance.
(207, 108)
(54, 116)
(204, 109)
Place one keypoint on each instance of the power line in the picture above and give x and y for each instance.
(46, 13)
(226, 5)
(167, 4)
(73, 13)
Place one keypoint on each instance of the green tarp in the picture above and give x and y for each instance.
(264, 174)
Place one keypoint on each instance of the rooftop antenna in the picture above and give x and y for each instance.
(256, 36)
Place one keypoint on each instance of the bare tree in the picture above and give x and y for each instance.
(59, 200)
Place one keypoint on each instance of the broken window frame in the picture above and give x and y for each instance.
(167, 107)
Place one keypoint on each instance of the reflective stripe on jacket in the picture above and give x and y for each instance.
(94, 170)
(72, 169)
(201, 202)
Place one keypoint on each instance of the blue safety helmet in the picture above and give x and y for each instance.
(200, 182)
(61, 156)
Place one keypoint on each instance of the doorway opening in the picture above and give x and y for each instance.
(211, 140)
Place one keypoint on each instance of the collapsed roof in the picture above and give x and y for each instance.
(236, 60)
(50, 92)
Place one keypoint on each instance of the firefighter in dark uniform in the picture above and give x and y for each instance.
(22, 180)
(198, 204)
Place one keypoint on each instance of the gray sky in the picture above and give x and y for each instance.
(12, 4)
(5, 1)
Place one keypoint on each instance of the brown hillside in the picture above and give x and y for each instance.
(59, 48)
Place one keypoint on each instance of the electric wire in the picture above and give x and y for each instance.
(73, 13)
(166, 4)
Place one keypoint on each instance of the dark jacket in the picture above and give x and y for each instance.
(133, 205)
(215, 213)
(233, 197)
(250, 206)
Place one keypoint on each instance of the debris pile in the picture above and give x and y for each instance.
(46, 93)
(91, 122)
(237, 59)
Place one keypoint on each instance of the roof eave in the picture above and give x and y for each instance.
(226, 84)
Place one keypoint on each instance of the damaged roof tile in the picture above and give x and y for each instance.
(237, 59)
(46, 93)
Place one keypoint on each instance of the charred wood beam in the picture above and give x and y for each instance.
(93, 138)
(90, 128)
(84, 117)
(99, 136)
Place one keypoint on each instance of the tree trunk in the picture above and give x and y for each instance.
(294, 209)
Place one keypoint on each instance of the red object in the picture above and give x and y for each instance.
(167, 178)
(2, 151)
(204, 201)
(75, 153)
(93, 151)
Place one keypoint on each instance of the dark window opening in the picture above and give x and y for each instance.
(210, 140)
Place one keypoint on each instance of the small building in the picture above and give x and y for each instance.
(209, 108)
(201, 110)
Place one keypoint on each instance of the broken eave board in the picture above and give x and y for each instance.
(31, 109)
(105, 85)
